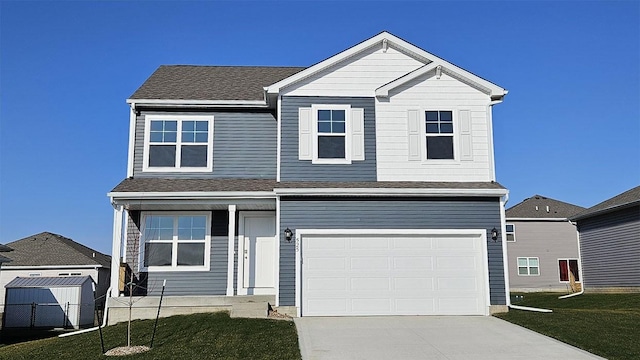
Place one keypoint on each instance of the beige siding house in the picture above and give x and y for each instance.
(542, 246)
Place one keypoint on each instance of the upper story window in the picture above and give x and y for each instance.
(331, 134)
(439, 131)
(511, 232)
(178, 241)
(178, 143)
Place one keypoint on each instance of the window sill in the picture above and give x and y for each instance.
(177, 170)
(174, 268)
(331, 161)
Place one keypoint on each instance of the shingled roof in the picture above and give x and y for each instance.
(49, 249)
(540, 207)
(628, 198)
(189, 82)
(242, 185)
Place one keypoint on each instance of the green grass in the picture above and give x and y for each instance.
(604, 324)
(199, 336)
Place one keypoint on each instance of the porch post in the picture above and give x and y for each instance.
(116, 250)
(232, 235)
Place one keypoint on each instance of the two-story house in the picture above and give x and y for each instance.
(361, 185)
(542, 245)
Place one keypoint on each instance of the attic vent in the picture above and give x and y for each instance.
(547, 208)
(536, 207)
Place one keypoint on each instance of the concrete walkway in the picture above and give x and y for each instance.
(426, 337)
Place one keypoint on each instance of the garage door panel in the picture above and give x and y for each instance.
(369, 263)
(369, 243)
(397, 275)
(413, 262)
(333, 263)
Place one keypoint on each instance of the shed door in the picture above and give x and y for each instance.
(393, 275)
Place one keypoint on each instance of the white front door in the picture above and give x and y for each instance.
(257, 245)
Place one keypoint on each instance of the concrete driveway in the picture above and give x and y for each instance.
(426, 337)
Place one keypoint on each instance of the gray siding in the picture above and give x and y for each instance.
(292, 169)
(548, 241)
(385, 213)
(212, 282)
(610, 247)
(244, 146)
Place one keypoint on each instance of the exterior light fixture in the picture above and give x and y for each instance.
(288, 234)
(494, 234)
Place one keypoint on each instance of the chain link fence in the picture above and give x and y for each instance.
(42, 315)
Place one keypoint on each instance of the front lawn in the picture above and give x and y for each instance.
(603, 324)
(199, 336)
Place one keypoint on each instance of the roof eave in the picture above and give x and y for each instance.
(604, 211)
(197, 103)
(390, 192)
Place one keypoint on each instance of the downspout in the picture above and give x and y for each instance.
(579, 265)
(104, 319)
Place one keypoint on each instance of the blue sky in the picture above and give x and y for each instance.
(569, 128)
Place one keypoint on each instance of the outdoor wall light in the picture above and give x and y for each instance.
(288, 234)
(494, 234)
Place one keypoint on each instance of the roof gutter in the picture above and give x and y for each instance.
(198, 103)
(606, 210)
(192, 195)
(390, 192)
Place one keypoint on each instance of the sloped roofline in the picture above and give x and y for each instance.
(495, 91)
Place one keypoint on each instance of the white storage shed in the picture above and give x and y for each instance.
(51, 302)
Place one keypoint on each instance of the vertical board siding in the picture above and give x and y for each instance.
(244, 146)
(548, 241)
(430, 93)
(610, 247)
(292, 169)
(385, 213)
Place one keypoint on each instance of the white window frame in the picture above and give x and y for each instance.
(347, 133)
(178, 143)
(569, 269)
(175, 242)
(454, 134)
(528, 258)
(507, 232)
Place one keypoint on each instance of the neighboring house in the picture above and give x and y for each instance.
(610, 243)
(3, 249)
(542, 245)
(51, 255)
(362, 185)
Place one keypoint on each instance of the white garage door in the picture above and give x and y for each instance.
(393, 275)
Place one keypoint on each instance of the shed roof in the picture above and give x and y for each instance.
(49, 249)
(628, 198)
(43, 282)
(536, 207)
(191, 82)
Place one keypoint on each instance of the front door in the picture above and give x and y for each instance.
(258, 253)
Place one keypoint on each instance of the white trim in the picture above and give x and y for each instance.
(52, 267)
(391, 192)
(415, 51)
(537, 219)
(347, 133)
(277, 284)
(383, 91)
(505, 257)
(231, 248)
(132, 139)
(116, 250)
(221, 103)
(242, 215)
(300, 233)
(125, 235)
(279, 135)
(174, 242)
(193, 195)
(180, 119)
